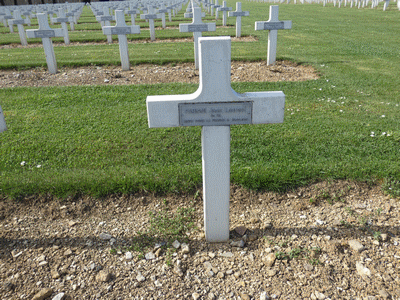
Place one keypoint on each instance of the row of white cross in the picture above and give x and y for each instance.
(338, 3)
(122, 30)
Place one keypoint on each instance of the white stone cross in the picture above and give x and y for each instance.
(27, 15)
(216, 5)
(273, 25)
(19, 21)
(224, 10)
(3, 126)
(171, 10)
(63, 19)
(121, 29)
(197, 27)
(386, 5)
(151, 16)
(45, 33)
(215, 106)
(133, 12)
(70, 14)
(238, 14)
(105, 19)
(162, 11)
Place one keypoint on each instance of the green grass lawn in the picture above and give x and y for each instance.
(95, 140)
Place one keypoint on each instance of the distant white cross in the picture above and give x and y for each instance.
(105, 19)
(121, 29)
(45, 33)
(151, 16)
(238, 14)
(273, 25)
(3, 126)
(224, 8)
(19, 21)
(63, 19)
(133, 12)
(197, 27)
(215, 106)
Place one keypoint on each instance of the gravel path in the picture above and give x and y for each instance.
(331, 240)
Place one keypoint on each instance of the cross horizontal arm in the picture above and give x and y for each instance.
(267, 107)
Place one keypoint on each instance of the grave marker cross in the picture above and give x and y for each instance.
(151, 16)
(19, 21)
(197, 27)
(238, 14)
(224, 8)
(273, 25)
(121, 29)
(215, 106)
(45, 33)
(105, 19)
(63, 19)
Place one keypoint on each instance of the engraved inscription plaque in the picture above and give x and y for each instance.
(44, 34)
(121, 30)
(61, 20)
(197, 28)
(215, 114)
(148, 17)
(237, 14)
(16, 22)
(274, 26)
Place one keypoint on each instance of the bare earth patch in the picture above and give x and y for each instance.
(151, 74)
(331, 240)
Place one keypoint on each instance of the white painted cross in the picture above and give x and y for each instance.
(8, 16)
(70, 14)
(273, 25)
(121, 29)
(3, 126)
(19, 21)
(215, 6)
(63, 20)
(215, 106)
(105, 19)
(197, 27)
(151, 16)
(133, 12)
(224, 10)
(45, 33)
(238, 14)
(162, 11)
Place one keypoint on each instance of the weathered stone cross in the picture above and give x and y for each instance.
(45, 33)
(197, 27)
(151, 16)
(273, 25)
(215, 106)
(19, 21)
(121, 29)
(224, 8)
(238, 14)
(63, 19)
(105, 19)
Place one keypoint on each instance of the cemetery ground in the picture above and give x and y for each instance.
(92, 200)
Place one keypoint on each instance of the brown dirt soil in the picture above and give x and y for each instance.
(59, 246)
(150, 74)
